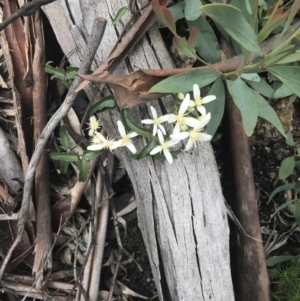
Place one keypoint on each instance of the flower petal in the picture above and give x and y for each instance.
(184, 105)
(202, 110)
(121, 128)
(147, 121)
(196, 91)
(192, 122)
(168, 156)
(131, 147)
(91, 132)
(164, 118)
(171, 118)
(205, 137)
(154, 129)
(153, 111)
(189, 144)
(132, 135)
(100, 136)
(162, 129)
(208, 98)
(160, 137)
(116, 144)
(95, 147)
(192, 104)
(173, 142)
(204, 121)
(180, 136)
(156, 150)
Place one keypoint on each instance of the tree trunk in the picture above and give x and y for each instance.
(180, 206)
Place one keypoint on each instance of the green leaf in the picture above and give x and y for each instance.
(266, 112)
(57, 72)
(64, 138)
(280, 189)
(262, 87)
(182, 46)
(286, 167)
(283, 206)
(290, 139)
(254, 77)
(89, 155)
(297, 164)
(297, 188)
(272, 261)
(134, 127)
(191, 10)
(146, 150)
(234, 23)
(295, 208)
(207, 44)
(289, 75)
(106, 103)
(64, 167)
(184, 82)
(68, 157)
(293, 11)
(244, 98)
(83, 167)
(192, 40)
(120, 13)
(176, 11)
(216, 107)
(282, 91)
(293, 57)
(71, 73)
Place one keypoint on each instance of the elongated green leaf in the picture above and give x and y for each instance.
(89, 155)
(289, 75)
(176, 11)
(192, 40)
(234, 23)
(289, 139)
(57, 72)
(297, 188)
(282, 91)
(106, 103)
(207, 44)
(191, 10)
(254, 77)
(283, 206)
(64, 138)
(64, 167)
(182, 46)
(293, 11)
(134, 127)
(266, 112)
(68, 157)
(272, 261)
(184, 82)
(286, 167)
(262, 87)
(83, 167)
(293, 57)
(244, 98)
(120, 13)
(280, 189)
(297, 164)
(295, 208)
(216, 107)
(146, 150)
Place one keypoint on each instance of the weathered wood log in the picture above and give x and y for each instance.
(181, 211)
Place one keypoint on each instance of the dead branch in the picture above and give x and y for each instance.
(95, 38)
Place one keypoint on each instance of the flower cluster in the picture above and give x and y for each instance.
(187, 126)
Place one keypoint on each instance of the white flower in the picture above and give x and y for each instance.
(164, 146)
(126, 138)
(194, 135)
(181, 120)
(101, 142)
(93, 125)
(156, 121)
(198, 101)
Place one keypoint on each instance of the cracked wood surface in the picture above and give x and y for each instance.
(180, 208)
